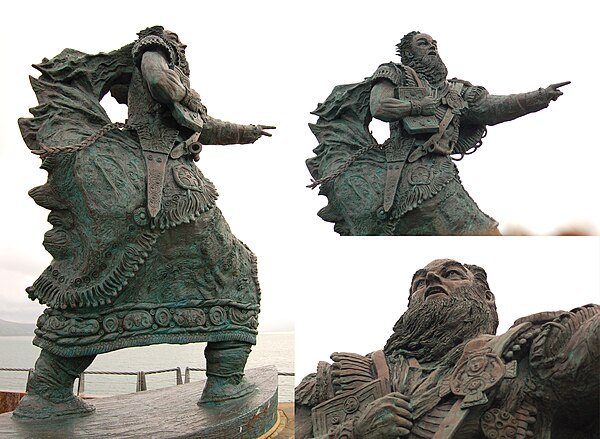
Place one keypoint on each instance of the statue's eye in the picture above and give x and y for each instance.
(418, 283)
(453, 274)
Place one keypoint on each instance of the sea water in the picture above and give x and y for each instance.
(271, 349)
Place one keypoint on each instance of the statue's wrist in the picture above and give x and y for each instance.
(543, 95)
(415, 108)
(247, 133)
(255, 132)
(534, 100)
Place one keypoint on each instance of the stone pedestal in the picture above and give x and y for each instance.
(163, 413)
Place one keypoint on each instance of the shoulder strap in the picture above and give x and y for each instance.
(390, 71)
(381, 368)
(449, 426)
(414, 75)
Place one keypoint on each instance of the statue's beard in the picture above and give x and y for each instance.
(431, 67)
(428, 331)
(183, 63)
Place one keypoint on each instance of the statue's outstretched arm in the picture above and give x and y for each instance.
(166, 87)
(569, 377)
(494, 109)
(219, 132)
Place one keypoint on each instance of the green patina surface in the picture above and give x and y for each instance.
(141, 254)
(408, 185)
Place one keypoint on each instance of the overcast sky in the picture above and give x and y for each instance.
(271, 62)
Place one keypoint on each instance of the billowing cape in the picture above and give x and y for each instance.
(342, 129)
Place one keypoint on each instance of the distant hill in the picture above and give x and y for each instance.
(13, 328)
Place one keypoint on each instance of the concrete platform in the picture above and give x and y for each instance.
(164, 413)
(284, 428)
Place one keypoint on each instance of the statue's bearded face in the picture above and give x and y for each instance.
(173, 40)
(449, 304)
(424, 45)
(445, 278)
(425, 58)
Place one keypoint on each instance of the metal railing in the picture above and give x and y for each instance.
(15, 369)
(198, 369)
(141, 376)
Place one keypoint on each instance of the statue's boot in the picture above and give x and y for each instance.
(50, 388)
(225, 362)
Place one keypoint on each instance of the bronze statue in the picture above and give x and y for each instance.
(141, 254)
(444, 374)
(409, 185)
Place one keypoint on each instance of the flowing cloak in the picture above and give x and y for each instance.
(355, 196)
(118, 279)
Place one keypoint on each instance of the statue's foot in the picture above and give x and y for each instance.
(223, 389)
(34, 406)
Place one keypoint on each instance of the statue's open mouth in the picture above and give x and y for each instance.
(435, 291)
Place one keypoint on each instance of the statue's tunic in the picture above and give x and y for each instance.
(141, 253)
(427, 171)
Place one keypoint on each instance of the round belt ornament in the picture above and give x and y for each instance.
(499, 424)
(419, 175)
(453, 100)
(476, 374)
(351, 404)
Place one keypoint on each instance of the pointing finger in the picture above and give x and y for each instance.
(560, 84)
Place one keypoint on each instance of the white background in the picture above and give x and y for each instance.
(271, 62)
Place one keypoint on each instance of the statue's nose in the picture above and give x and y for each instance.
(432, 278)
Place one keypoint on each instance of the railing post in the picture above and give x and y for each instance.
(141, 381)
(81, 384)
(187, 375)
(178, 378)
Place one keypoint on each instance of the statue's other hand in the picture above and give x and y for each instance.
(553, 92)
(428, 106)
(386, 417)
(262, 128)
